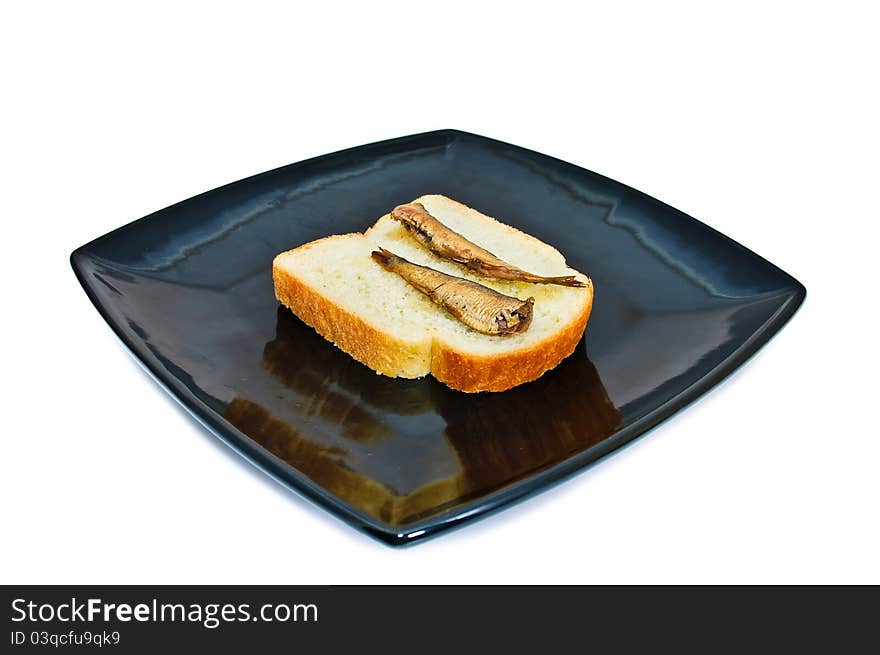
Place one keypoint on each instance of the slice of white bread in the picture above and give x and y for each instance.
(333, 285)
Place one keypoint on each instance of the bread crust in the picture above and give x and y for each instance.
(385, 354)
(379, 350)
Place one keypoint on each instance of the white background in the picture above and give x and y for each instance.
(761, 121)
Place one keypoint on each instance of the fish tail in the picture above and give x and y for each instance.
(511, 273)
(564, 280)
(383, 257)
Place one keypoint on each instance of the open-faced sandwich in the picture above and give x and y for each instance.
(437, 287)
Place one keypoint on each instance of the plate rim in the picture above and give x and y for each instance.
(482, 506)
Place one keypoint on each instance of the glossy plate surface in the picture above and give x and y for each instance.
(188, 289)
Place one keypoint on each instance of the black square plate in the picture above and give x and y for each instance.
(189, 290)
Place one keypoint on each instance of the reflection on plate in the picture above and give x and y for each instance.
(489, 440)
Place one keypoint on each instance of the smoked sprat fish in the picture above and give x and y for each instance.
(477, 306)
(447, 243)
